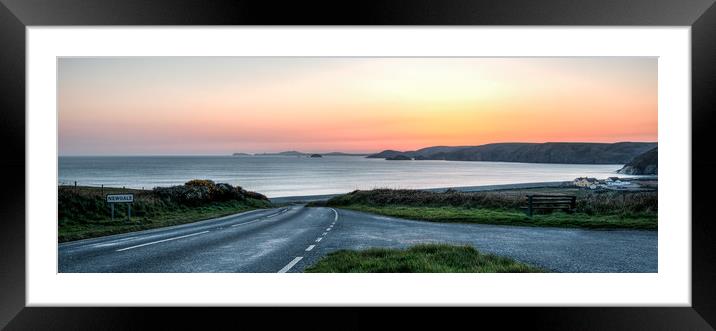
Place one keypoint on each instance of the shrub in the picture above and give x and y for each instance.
(254, 195)
(200, 183)
(383, 197)
(200, 191)
(624, 202)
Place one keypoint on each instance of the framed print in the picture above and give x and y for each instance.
(457, 154)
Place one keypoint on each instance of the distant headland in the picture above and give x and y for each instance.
(551, 152)
(297, 153)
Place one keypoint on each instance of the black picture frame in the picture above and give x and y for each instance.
(16, 15)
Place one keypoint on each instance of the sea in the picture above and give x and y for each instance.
(284, 176)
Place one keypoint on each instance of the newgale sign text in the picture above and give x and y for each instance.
(120, 198)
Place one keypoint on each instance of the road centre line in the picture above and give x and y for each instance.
(161, 241)
(325, 233)
(310, 248)
(335, 218)
(329, 229)
(290, 265)
(319, 239)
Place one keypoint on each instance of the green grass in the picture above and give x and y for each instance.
(512, 217)
(595, 209)
(69, 230)
(588, 201)
(83, 212)
(425, 258)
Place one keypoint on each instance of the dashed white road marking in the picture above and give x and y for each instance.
(328, 229)
(310, 248)
(319, 239)
(161, 241)
(325, 233)
(290, 264)
(335, 218)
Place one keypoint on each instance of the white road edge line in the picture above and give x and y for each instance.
(290, 265)
(254, 221)
(310, 248)
(161, 241)
(276, 214)
(319, 239)
(121, 241)
(93, 241)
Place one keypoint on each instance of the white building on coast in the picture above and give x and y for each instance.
(612, 183)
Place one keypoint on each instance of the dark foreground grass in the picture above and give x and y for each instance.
(425, 258)
(513, 217)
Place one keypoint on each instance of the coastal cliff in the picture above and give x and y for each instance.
(644, 164)
(574, 153)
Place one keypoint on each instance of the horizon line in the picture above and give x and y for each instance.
(338, 151)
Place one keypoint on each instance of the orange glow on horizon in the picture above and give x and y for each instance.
(209, 106)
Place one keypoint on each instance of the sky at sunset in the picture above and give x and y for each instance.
(222, 105)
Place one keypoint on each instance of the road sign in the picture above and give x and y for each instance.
(117, 198)
(121, 198)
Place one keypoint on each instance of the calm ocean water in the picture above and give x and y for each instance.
(279, 176)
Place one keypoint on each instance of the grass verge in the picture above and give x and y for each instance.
(69, 231)
(512, 217)
(424, 258)
(595, 209)
(84, 213)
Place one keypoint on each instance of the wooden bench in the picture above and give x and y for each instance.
(567, 203)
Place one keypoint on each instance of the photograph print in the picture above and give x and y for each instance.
(357, 165)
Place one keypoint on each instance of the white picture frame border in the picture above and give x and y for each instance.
(671, 286)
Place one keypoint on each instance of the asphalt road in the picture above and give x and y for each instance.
(291, 238)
